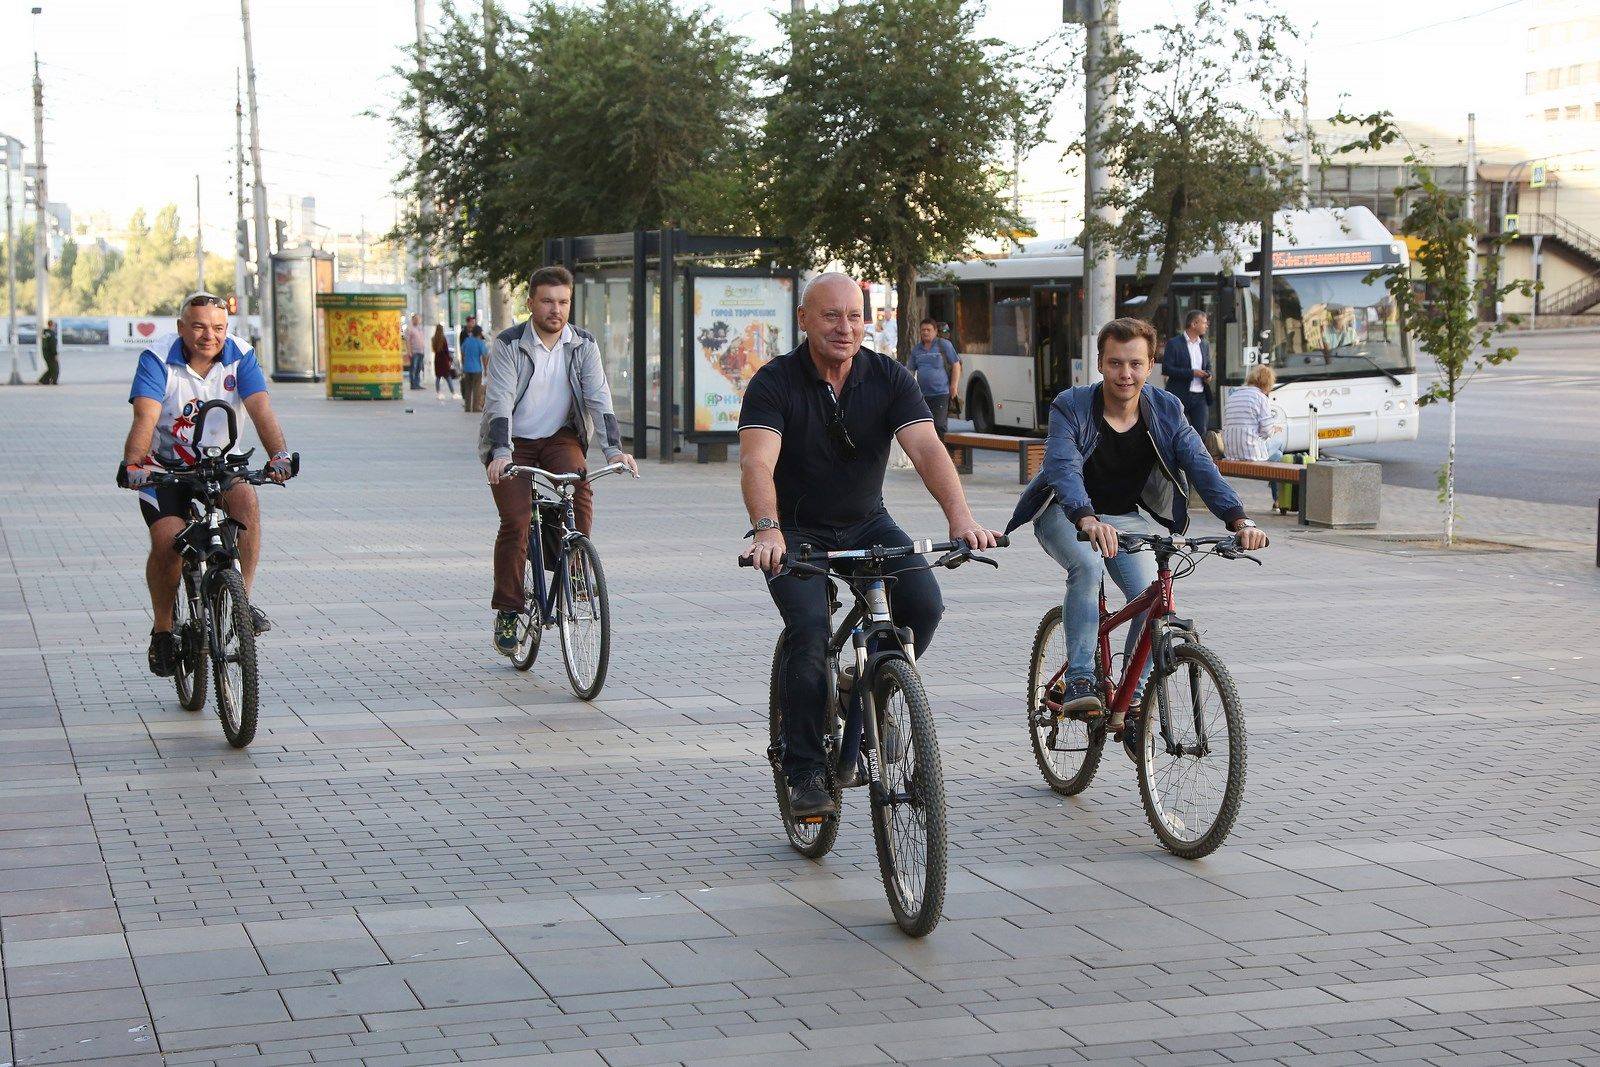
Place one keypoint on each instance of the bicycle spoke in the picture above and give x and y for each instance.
(1190, 789)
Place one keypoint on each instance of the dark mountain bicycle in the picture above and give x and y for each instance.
(575, 600)
(880, 733)
(1187, 735)
(211, 616)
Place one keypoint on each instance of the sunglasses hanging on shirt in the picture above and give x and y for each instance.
(838, 433)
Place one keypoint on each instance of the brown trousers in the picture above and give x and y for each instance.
(472, 391)
(558, 454)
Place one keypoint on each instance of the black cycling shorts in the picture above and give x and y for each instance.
(171, 501)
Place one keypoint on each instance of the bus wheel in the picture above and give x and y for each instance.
(980, 408)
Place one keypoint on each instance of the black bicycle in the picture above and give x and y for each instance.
(880, 733)
(576, 599)
(211, 617)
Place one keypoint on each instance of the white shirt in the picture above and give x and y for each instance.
(547, 401)
(1196, 362)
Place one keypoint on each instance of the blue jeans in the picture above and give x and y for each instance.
(1197, 409)
(1080, 611)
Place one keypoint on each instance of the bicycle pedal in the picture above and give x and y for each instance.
(812, 820)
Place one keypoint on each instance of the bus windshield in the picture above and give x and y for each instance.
(1335, 324)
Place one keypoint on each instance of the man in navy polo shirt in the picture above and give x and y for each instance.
(178, 373)
(814, 433)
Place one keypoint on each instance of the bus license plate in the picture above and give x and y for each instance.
(1333, 433)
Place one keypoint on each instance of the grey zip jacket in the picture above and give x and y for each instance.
(511, 369)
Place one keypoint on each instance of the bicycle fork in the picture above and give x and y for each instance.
(1168, 632)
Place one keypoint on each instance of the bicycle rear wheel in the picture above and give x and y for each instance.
(908, 822)
(585, 619)
(1067, 750)
(1192, 798)
(811, 839)
(233, 665)
(190, 675)
(529, 629)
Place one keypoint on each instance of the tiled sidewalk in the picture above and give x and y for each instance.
(427, 857)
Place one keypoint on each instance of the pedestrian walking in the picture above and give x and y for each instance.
(473, 350)
(417, 350)
(1186, 362)
(468, 324)
(48, 341)
(937, 366)
(444, 371)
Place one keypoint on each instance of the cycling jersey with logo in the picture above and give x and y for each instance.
(164, 376)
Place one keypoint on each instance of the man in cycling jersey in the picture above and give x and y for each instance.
(814, 433)
(1119, 459)
(177, 373)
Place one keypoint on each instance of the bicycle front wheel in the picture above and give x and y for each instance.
(529, 628)
(233, 664)
(1192, 796)
(585, 619)
(190, 676)
(908, 819)
(1067, 750)
(813, 838)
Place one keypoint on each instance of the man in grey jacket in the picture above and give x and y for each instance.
(546, 395)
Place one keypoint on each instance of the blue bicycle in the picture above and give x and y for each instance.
(574, 598)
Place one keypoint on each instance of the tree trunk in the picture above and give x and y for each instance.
(909, 310)
(501, 314)
(1450, 480)
(1169, 258)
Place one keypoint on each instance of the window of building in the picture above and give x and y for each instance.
(1336, 179)
(1574, 113)
(1551, 114)
(1530, 82)
(1552, 78)
(1597, 110)
(1575, 74)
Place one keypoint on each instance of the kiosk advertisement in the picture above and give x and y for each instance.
(739, 324)
(366, 350)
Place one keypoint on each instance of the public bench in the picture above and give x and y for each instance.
(1263, 471)
(1029, 450)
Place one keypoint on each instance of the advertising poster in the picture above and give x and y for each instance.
(739, 325)
(366, 349)
(294, 323)
(84, 331)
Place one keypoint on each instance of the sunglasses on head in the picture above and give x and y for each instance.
(204, 300)
(838, 433)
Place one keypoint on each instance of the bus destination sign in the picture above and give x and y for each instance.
(1349, 256)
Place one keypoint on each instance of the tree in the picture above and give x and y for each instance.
(1189, 165)
(1437, 300)
(884, 136)
(589, 120)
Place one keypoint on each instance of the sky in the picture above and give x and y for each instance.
(139, 96)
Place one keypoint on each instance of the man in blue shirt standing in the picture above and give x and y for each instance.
(938, 369)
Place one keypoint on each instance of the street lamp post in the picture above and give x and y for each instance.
(1513, 177)
(12, 149)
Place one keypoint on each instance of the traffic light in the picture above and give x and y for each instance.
(233, 305)
(280, 232)
(241, 240)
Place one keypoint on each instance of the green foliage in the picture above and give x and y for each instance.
(151, 277)
(1188, 163)
(580, 120)
(882, 135)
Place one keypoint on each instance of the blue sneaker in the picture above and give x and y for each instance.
(505, 632)
(1081, 699)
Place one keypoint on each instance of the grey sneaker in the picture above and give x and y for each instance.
(259, 621)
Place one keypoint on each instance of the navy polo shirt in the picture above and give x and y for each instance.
(818, 487)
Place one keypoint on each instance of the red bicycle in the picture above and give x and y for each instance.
(1192, 764)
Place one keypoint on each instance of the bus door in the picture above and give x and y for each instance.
(1057, 348)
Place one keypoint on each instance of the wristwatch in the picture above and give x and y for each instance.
(1246, 524)
(762, 524)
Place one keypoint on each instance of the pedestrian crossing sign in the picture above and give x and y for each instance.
(1536, 175)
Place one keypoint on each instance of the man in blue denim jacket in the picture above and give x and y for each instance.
(1119, 456)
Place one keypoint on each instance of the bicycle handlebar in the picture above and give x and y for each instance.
(229, 465)
(880, 552)
(1226, 546)
(567, 479)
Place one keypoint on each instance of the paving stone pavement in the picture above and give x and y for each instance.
(427, 857)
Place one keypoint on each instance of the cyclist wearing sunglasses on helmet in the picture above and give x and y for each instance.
(177, 373)
(814, 432)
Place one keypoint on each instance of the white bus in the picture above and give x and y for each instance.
(1343, 358)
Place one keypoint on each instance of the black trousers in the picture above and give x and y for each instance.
(803, 602)
(1197, 410)
(939, 408)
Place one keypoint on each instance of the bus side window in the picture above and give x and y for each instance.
(972, 317)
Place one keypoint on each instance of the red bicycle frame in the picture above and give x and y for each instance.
(1157, 599)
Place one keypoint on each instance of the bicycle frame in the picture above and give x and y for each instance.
(545, 594)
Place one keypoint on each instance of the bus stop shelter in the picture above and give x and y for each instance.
(683, 320)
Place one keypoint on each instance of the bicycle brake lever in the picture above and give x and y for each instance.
(984, 559)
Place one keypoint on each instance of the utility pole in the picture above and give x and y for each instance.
(1016, 180)
(427, 300)
(241, 251)
(13, 153)
(199, 240)
(1099, 261)
(1472, 211)
(264, 351)
(797, 7)
(1305, 135)
(41, 202)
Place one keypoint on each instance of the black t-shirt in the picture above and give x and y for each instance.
(1116, 471)
(818, 486)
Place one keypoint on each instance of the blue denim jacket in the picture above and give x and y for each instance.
(1074, 433)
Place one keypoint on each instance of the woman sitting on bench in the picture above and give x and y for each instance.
(1248, 430)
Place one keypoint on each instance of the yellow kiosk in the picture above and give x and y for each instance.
(366, 345)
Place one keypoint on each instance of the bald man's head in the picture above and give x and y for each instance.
(831, 316)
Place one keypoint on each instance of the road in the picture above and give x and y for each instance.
(1526, 430)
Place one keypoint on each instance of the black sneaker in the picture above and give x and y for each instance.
(164, 653)
(259, 620)
(505, 632)
(809, 797)
(1082, 699)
